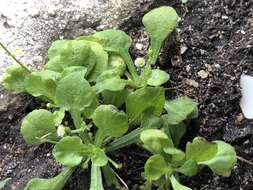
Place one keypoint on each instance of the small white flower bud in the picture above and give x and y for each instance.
(61, 131)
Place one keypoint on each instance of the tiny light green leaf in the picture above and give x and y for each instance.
(14, 78)
(158, 77)
(155, 140)
(110, 121)
(179, 110)
(159, 23)
(74, 92)
(69, 151)
(42, 83)
(224, 160)
(189, 168)
(145, 98)
(117, 64)
(37, 124)
(4, 182)
(155, 167)
(176, 185)
(98, 156)
(56, 183)
(200, 150)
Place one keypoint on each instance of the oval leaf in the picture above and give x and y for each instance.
(159, 23)
(224, 160)
(37, 124)
(158, 77)
(14, 78)
(69, 151)
(179, 110)
(155, 167)
(74, 92)
(110, 121)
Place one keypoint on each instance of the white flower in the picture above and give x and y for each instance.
(139, 62)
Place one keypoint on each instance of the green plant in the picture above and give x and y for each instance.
(93, 78)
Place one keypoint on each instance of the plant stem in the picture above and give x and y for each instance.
(129, 62)
(15, 59)
(77, 119)
(99, 139)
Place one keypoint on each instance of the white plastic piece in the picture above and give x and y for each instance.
(246, 103)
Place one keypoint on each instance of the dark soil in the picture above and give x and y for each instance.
(214, 37)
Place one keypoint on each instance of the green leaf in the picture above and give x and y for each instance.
(189, 168)
(176, 131)
(134, 136)
(42, 83)
(223, 161)
(72, 69)
(74, 92)
(98, 156)
(158, 77)
(113, 40)
(145, 98)
(155, 167)
(14, 78)
(101, 60)
(59, 116)
(4, 182)
(58, 47)
(96, 178)
(109, 80)
(68, 53)
(176, 185)
(155, 140)
(37, 124)
(69, 151)
(118, 42)
(179, 110)
(117, 64)
(56, 183)
(88, 111)
(200, 150)
(159, 23)
(177, 155)
(115, 98)
(110, 121)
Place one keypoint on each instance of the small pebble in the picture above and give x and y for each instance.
(203, 74)
(191, 82)
(188, 68)
(139, 46)
(183, 49)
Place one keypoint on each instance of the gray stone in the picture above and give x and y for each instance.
(29, 27)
